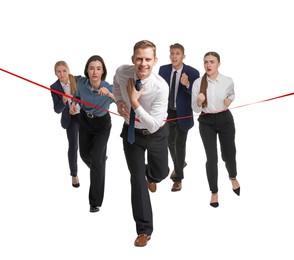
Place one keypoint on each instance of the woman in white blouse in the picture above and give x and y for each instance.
(212, 94)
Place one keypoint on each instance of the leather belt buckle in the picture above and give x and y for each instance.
(145, 132)
(90, 115)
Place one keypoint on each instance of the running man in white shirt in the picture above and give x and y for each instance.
(150, 107)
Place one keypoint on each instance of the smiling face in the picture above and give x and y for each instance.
(62, 73)
(211, 65)
(144, 59)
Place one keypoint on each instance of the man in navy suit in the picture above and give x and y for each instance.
(180, 78)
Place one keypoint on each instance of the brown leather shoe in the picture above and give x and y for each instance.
(151, 186)
(142, 240)
(173, 174)
(177, 186)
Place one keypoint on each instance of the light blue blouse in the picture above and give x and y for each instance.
(92, 102)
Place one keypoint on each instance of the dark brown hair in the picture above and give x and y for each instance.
(72, 79)
(94, 58)
(204, 84)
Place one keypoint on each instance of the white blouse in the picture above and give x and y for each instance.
(217, 91)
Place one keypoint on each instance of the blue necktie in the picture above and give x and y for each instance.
(131, 130)
(171, 99)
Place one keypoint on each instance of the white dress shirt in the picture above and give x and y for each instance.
(217, 91)
(66, 89)
(152, 111)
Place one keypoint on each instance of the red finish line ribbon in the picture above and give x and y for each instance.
(265, 100)
(59, 93)
(97, 107)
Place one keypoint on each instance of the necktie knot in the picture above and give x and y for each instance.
(138, 84)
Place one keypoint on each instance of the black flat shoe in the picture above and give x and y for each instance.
(94, 209)
(76, 185)
(214, 204)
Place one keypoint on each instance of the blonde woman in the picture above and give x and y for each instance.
(66, 84)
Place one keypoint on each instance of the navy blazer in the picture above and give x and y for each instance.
(183, 99)
(59, 106)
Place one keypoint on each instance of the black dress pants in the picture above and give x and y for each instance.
(72, 133)
(177, 145)
(155, 171)
(93, 139)
(221, 124)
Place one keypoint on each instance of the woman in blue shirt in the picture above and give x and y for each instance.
(95, 125)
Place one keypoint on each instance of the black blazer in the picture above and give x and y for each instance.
(183, 99)
(59, 106)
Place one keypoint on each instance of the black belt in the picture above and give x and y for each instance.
(89, 115)
(143, 131)
(217, 113)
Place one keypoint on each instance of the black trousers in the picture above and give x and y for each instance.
(221, 124)
(72, 133)
(177, 145)
(155, 171)
(93, 139)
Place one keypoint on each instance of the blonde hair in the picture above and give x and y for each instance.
(72, 79)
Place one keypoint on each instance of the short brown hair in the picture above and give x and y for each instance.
(177, 46)
(145, 44)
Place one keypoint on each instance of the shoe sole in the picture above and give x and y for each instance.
(94, 210)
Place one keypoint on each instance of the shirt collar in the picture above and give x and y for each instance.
(67, 85)
(216, 80)
(178, 70)
(143, 81)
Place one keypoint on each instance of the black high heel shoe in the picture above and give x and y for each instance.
(75, 184)
(214, 204)
(237, 190)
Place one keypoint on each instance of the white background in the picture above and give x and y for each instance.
(43, 217)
